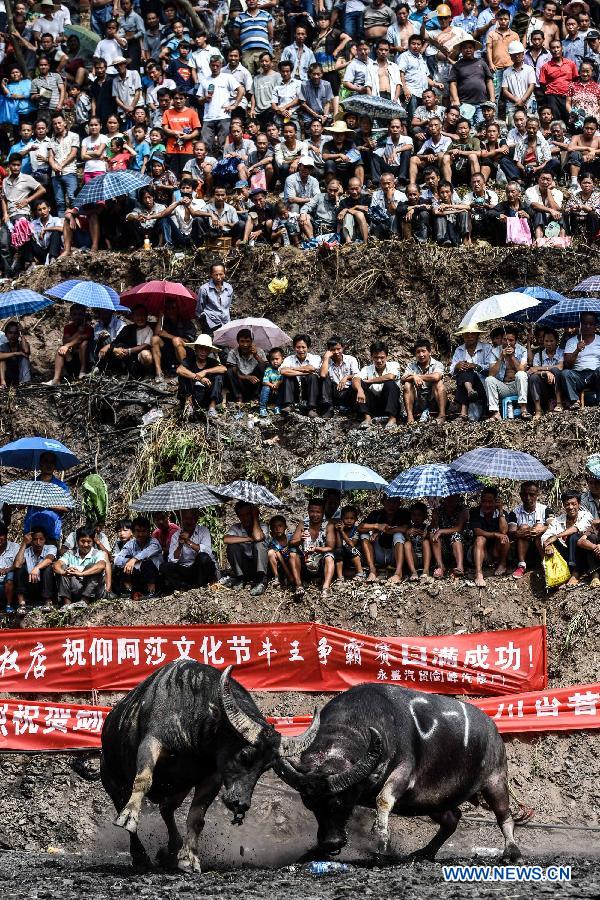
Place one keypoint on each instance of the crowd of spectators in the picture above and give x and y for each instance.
(332, 542)
(235, 113)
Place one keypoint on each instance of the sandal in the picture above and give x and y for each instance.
(414, 577)
(438, 573)
(458, 573)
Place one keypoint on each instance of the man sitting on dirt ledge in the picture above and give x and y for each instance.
(246, 548)
(190, 561)
(81, 570)
(139, 561)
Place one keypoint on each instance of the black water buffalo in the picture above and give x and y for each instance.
(187, 726)
(401, 751)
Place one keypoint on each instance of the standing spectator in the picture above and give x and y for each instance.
(182, 127)
(497, 53)
(19, 191)
(213, 303)
(127, 91)
(253, 30)
(518, 82)
(131, 27)
(317, 102)
(299, 55)
(47, 91)
(220, 94)
(471, 79)
(100, 92)
(414, 75)
(62, 159)
(556, 78)
(263, 85)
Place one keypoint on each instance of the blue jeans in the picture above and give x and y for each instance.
(63, 186)
(99, 18)
(267, 394)
(353, 24)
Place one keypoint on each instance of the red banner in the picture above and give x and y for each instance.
(274, 657)
(32, 726)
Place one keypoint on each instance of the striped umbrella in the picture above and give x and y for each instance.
(42, 494)
(21, 303)
(497, 462)
(432, 480)
(111, 185)
(247, 490)
(175, 495)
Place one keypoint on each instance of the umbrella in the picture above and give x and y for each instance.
(432, 480)
(592, 465)
(152, 295)
(496, 462)
(546, 297)
(568, 312)
(375, 107)
(25, 453)
(265, 333)
(176, 495)
(499, 306)
(85, 293)
(343, 476)
(21, 303)
(42, 494)
(88, 41)
(111, 185)
(588, 285)
(247, 490)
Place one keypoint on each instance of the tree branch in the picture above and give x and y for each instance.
(15, 43)
(189, 11)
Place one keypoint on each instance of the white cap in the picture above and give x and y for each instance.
(515, 47)
(306, 161)
(118, 60)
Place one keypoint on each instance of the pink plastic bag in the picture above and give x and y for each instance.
(258, 180)
(517, 231)
(558, 242)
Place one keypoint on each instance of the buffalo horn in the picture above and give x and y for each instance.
(289, 773)
(360, 770)
(294, 746)
(238, 719)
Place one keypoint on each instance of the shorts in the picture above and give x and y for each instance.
(345, 553)
(385, 556)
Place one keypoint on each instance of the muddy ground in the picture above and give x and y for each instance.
(389, 291)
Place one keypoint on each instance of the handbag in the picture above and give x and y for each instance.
(517, 231)
(556, 570)
(258, 181)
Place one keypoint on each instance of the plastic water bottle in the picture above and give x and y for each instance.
(327, 868)
(147, 244)
(510, 412)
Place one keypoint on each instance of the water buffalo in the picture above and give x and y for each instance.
(187, 726)
(401, 751)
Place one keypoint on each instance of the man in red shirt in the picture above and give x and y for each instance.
(73, 351)
(556, 77)
(182, 127)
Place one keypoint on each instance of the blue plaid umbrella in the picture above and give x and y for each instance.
(540, 293)
(25, 453)
(41, 494)
(343, 476)
(568, 312)
(589, 285)
(85, 293)
(432, 480)
(496, 462)
(247, 490)
(547, 299)
(109, 186)
(21, 303)
(592, 465)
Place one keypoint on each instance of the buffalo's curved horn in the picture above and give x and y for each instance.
(294, 746)
(360, 770)
(290, 774)
(238, 719)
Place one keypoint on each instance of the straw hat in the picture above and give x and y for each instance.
(203, 340)
(469, 40)
(338, 128)
(470, 329)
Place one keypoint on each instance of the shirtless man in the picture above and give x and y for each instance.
(584, 151)
(384, 74)
(549, 25)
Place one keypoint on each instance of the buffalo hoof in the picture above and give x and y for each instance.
(128, 819)
(142, 863)
(188, 861)
(423, 855)
(511, 853)
(167, 858)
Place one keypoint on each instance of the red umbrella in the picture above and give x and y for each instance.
(152, 295)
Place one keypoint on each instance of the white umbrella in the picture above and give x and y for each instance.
(498, 307)
(343, 476)
(265, 333)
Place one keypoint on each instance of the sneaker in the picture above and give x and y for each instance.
(235, 584)
(10, 610)
(263, 413)
(211, 412)
(276, 410)
(22, 610)
(519, 571)
(258, 589)
(594, 583)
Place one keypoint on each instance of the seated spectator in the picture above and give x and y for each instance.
(312, 550)
(546, 205)
(8, 554)
(353, 213)
(432, 151)
(317, 102)
(490, 528)
(271, 382)
(589, 543)
(72, 355)
(45, 244)
(526, 525)
(319, 216)
(286, 229)
(482, 202)
(18, 192)
(50, 520)
(213, 303)
(286, 96)
(394, 156)
(190, 561)
(223, 220)
(81, 571)
(300, 374)
(446, 533)
(262, 160)
(239, 148)
(15, 353)
(508, 375)
(495, 155)
(200, 168)
(544, 389)
(584, 151)
(33, 571)
(581, 363)
(186, 220)
(513, 206)
(450, 217)
(533, 155)
(201, 377)
(388, 206)
(163, 531)
(582, 209)
(279, 550)
(261, 217)
(423, 385)
(347, 544)
(338, 370)
(413, 215)
(341, 157)
(300, 187)
(139, 561)
(246, 549)
(288, 152)
(564, 532)
(376, 386)
(169, 339)
(145, 221)
(131, 350)
(469, 367)
(245, 368)
(430, 109)
(590, 499)
(461, 161)
(383, 536)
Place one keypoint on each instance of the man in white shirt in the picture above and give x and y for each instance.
(546, 202)
(395, 154)
(203, 54)
(526, 525)
(48, 23)
(423, 384)
(376, 386)
(566, 530)
(508, 374)
(240, 73)
(220, 94)
(518, 81)
(190, 561)
(384, 75)
(300, 375)
(337, 371)
(8, 553)
(432, 151)
(33, 570)
(581, 364)
(356, 77)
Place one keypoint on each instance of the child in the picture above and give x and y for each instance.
(81, 104)
(278, 549)
(164, 531)
(417, 549)
(347, 543)
(142, 149)
(271, 382)
(118, 156)
(286, 230)
(124, 534)
(156, 142)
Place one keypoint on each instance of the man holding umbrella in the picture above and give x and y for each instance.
(581, 364)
